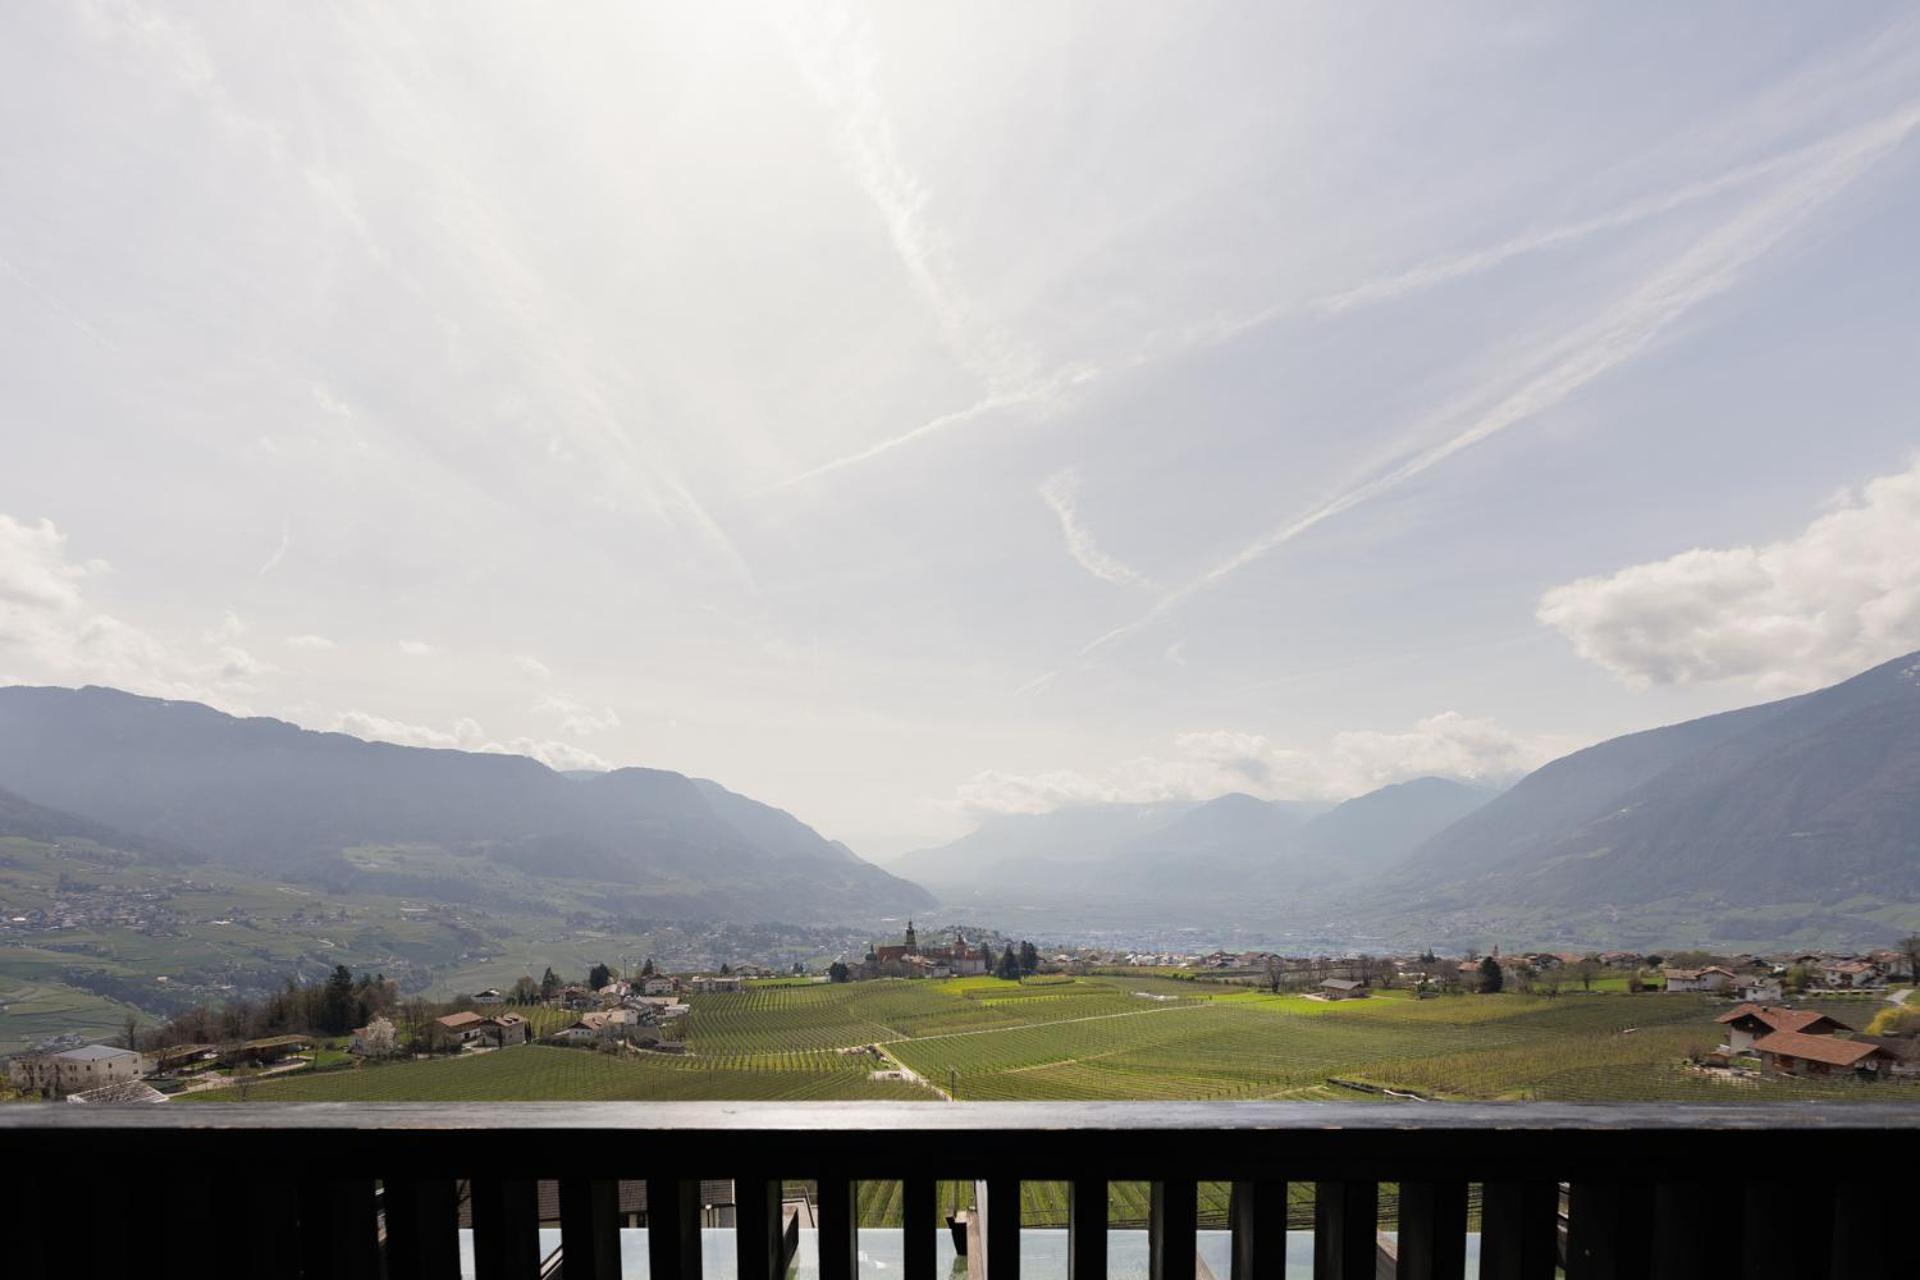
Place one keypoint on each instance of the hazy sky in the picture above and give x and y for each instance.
(900, 413)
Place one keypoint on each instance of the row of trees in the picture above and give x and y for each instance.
(333, 1006)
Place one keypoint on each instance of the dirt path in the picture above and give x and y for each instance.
(910, 1073)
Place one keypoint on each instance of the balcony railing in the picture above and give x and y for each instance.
(324, 1190)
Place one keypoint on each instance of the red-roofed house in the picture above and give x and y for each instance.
(1749, 1022)
(1794, 1053)
(1711, 978)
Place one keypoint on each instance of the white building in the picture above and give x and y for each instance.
(77, 1070)
(1711, 978)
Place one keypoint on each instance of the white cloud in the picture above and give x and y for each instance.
(575, 717)
(1206, 764)
(1061, 492)
(534, 667)
(464, 734)
(1838, 597)
(417, 649)
(50, 631)
(314, 643)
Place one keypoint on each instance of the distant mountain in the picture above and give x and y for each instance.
(21, 817)
(1179, 863)
(267, 795)
(1809, 800)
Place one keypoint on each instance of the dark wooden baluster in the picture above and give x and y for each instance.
(423, 1228)
(506, 1229)
(28, 1224)
(1519, 1233)
(1433, 1231)
(1087, 1229)
(339, 1229)
(590, 1228)
(1174, 1213)
(263, 1219)
(1609, 1231)
(757, 1229)
(1863, 1225)
(1257, 1212)
(1003, 1228)
(1788, 1230)
(839, 1230)
(920, 1216)
(1345, 1230)
(188, 1223)
(673, 1229)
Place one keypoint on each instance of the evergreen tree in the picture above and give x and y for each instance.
(1009, 969)
(1491, 978)
(646, 970)
(837, 972)
(549, 983)
(337, 1004)
(726, 970)
(598, 977)
(1029, 958)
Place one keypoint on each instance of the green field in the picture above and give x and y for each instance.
(1114, 1037)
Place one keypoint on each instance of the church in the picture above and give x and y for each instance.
(907, 960)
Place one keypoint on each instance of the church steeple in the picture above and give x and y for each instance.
(912, 944)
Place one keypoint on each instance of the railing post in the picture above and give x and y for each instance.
(506, 1229)
(1345, 1230)
(673, 1229)
(423, 1229)
(338, 1229)
(267, 1232)
(1519, 1231)
(1087, 1229)
(920, 1221)
(590, 1228)
(1002, 1228)
(1788, 1228)
(1433, 1231)
(1257, 1212)
(759, 1235)
(1863, 1218)
(1173, 1217)
(839, 1230)
(1609, 1231)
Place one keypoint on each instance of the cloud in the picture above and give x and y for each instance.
(316, 644)
(417, 649)
(1840, 596)
(280, 550)
(50, 631)
(1617, 334)
(1060, 493)
(533, 667)
(576, 718)
(1207, 764)
(464, 734)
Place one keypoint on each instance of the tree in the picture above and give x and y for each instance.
(1009, 970)
(549, 983)
(337, 1005)
(526, 990)
(837, 972)
(1910, 948)
(646, 970)
(379, 1039)
(598, 977)
(1491, 978)
(1029, 958)
(130, 1029)
(1273, 974)
(1587, 970)
(1896, 1020)
(726, 970)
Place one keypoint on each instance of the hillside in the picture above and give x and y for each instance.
(1785, 815)
(273, 798)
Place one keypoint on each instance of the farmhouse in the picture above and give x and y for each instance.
(1794, 1053)
(1759, 989)
(490, 996)
(1750, 1022)
(711, 983)
(1711, 978)
(659, 985)
(1850, 973)
(1343, 989)
(506, 1029)
(465, 1027)
(90, 1066)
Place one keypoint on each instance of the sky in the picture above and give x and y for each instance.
(906, 414)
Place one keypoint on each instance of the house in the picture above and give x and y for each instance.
(659, 1007)
(1751, 1022)
(615, 1024)
(659, 985)
(1850, 973)
(126, 1091)
(378, 1039)
(266, 1051)
(1759, 989)
(618, 989)
(578, 998)
(707, 983)
(1903, 1052)
(1711, 978)
(464, 1027)
(507, 1029)
(1793, 1053)
(1622, 959)
(55, 1075)
(1343, 989)
(490, 996)
(181, 1056)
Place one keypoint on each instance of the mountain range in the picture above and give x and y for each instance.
(273, 798)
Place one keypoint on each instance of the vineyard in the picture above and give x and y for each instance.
(1112, 1037)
